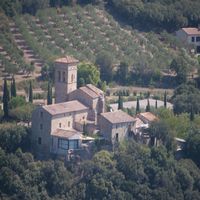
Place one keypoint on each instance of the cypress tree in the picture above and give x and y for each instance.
(49, 94)
(165, 99)
(148, 106)
(13, 88)
(156, 104)
(30, 99)
(6, 99)
(120, 103)
(138, 106)
(191, 113)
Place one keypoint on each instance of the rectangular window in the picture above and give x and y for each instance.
(39, 140)
(41, 114)
(60, 125)
(63, 76)
(73, 144)
(69, 124)
(198, 39)
(192, 39)
(63, 144)
(41, 126)
(117, 137)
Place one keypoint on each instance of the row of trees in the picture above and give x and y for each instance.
(148, 106)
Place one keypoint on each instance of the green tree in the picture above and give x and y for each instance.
(12, 136)
(120, 102)
(88, 74)
(6, 99)
(180, 66)
(13, 88)
(30, 98)
(184, 97)
(104, 61)
(49, 94)
(165, 99)
(22, 113)
(148, 108)
(193, 146)
(16, 102)
(138, 106)
(123, 73)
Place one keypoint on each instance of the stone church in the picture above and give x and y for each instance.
(58, 128)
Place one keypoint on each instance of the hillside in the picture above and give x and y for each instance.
(84, 32)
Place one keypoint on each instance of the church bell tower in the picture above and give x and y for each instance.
(65, 78)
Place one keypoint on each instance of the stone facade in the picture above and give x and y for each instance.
(116, 126)
(57, 129)
(65, 78)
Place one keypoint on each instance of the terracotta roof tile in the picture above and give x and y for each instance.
(67, 60)
(91, 91)
(69, 134)
(118, 116)
(147, 116)
(191, 31)
(66, 107)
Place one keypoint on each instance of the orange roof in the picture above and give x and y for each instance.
(67, 60)
(147, 116)
(191, 31)
(118, 116)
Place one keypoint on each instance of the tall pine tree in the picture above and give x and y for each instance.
(137, 106)
(49, 94)
(30, 97)
(120, 103)
(6, 99)
(148, 109)
(13, 88)
(165, 99)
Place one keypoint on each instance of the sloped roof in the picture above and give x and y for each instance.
(147, 116)
(118, 116)
(68, 134)
(91, 91)
(191, 31)
(67, 60)
(66, 107)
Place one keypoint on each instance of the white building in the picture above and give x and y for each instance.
(190, 36)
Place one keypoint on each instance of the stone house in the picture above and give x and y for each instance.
(58, 128)
(116, 126)
(53, 124)
(190, 36)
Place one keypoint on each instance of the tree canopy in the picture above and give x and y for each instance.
(88, 74)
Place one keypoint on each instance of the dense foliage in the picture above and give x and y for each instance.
(133, 172)
(156, 14)
(185, 97)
